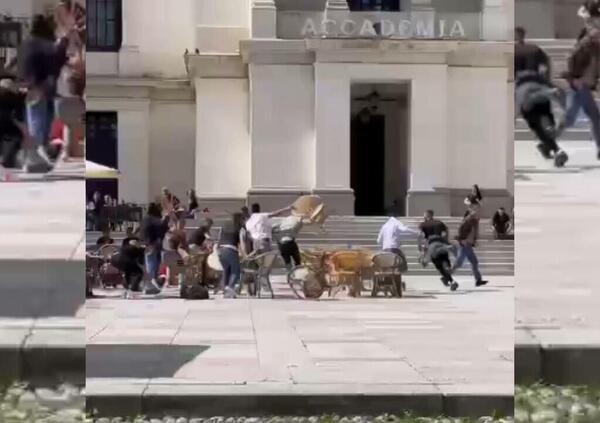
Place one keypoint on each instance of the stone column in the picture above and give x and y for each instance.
(336, 12)
(422, 15)
(263, 19)
(496, 21)
(130, 63)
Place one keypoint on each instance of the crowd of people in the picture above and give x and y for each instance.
(160, 240)
(541, 103)
(42, 92)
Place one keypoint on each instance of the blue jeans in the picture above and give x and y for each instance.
(467, 252)
(152, 262)
(39, 118)
(583, 98)
(230, 260)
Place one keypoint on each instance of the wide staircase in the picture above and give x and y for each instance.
(558, 50)
(342, 232)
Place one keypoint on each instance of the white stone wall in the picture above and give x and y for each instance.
(477, 129)
(222, 138)
(220, 25)
(282, 126)
(172, 158)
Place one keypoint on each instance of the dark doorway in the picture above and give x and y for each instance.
(101, 138)
(367, 163)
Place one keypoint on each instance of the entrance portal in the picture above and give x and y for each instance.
(379, 154)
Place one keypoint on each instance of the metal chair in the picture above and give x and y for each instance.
(387, 276)
(256, 271)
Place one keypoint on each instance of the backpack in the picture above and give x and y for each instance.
(194, 292)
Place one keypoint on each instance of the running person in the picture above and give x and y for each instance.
(433, 243)
(468, 233)
(537, 100)
(583, 72)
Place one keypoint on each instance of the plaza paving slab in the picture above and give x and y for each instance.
(432, 351)
(42, 280)
(557, 239)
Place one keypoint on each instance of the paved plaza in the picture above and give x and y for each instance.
(418, 351)
(42, 251)
(557, 313)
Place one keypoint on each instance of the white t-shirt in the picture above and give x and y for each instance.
(260, 226)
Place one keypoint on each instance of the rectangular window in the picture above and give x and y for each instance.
(104, 25)
(102, 138)
(374, 5)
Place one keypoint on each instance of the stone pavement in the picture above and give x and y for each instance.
(42, 280)
(433, 351)
(557, 237)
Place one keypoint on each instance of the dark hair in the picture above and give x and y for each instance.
(153, 210)
(593, 7)
(429, 213)
(520, 31)
(478, 195)
(238, 221)
(255, 208)
(43, 27)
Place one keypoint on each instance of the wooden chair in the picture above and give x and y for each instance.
(345, 270)
(387, 276)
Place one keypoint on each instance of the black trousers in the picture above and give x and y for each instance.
(289, 250)
(11, 144)
(535, 118)
(443, 265)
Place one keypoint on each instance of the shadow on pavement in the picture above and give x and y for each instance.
(138, 361)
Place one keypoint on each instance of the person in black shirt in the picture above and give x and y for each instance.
(131, 263)
(130, 235)
(154, 229)
(229, 254)
(202, 233)
(105, 239)
(433, 243)
(501, 223)
(537, 100)
(192, 203)
(12, 122)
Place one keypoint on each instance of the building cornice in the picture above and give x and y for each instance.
(216, 66)
(452, 53)
(139, 88)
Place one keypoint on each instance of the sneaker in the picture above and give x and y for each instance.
(454, 286)
(229, 293)
(152, 288)
(544, 151)
(561, 159)
(444, 281)
(481, 283)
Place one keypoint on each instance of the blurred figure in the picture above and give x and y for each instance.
(12, 122)
(501, 224)
(105, 238)
(474, 199)
(154, 228)
(192, 203)
(537, 100)
(40, 61)
(582, 74)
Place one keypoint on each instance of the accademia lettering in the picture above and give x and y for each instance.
(387, 28)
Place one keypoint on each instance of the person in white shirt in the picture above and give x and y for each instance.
(390, 235)
(260, 227)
